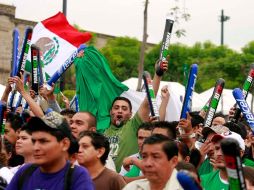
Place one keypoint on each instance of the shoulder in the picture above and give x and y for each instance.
(115, 178)
(208, 177)
(248, 162)
(79, 170)
(82, 179)
(137, 184)
(173, 183)
(112, 174)
(134, 122)
(15, 180)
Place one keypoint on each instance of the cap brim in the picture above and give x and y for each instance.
(206, 131)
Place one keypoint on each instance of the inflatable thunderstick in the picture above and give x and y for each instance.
(15, 50)
(35, 61)
(231, 152)
(24, 50)
(64, 67)
(189, 91)
(246, 87)
(3, 113)
(214, 102)
(244, 107)
(150, 95)
(164, 46)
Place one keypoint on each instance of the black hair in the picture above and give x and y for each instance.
(98, 141)
(169, 147)
(15, 120)
(237, 128)
(219, 114)
(68, 112)
(74, 146)
(26, 129)
(124, 99)
(41, 126)
(25, 116)
(169, 126)
(196, 119)
(148, 126)
(61, 131)
(183, 149)
(195, 157)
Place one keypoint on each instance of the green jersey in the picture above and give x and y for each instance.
(205, 168)
(248, 162)
(213, 181)
(123, 140)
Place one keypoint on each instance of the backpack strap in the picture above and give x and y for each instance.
(68, 177)
(28, 172)
(25, 175)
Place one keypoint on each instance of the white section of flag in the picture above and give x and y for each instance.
(64, 51)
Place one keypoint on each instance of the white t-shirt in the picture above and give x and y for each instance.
(6, 173)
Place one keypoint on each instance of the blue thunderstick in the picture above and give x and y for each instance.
(64, 66)
(245, 109)
(189, 91)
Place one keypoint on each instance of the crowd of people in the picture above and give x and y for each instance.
(46, 147)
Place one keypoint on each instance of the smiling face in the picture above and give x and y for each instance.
(120, 112)
(24, 145)
(80, 122)
(47, 151)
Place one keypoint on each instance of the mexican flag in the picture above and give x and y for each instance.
(96, 86)
(57, 40)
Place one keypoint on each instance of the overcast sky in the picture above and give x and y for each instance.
(125, 18)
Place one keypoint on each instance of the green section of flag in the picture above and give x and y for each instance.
(96, 86)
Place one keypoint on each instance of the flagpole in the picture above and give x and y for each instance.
(62, 79)
(65, 7)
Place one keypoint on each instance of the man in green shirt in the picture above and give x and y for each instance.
(218, 179)
(123, 129)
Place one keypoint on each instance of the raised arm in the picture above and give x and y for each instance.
(164, 102)
(144, 110)
(6, 93)
(34, 107)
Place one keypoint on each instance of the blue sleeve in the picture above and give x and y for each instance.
(81, 179)
(13, 185)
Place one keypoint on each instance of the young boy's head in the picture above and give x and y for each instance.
(51, 136)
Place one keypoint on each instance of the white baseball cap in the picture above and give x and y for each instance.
(232, 135)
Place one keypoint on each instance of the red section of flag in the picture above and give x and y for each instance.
(59, 25)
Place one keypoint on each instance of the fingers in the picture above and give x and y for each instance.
(153, 119)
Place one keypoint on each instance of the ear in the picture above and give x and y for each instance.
(173, 161)
(241, 153)
(187, 159)
(100, 151)
(9, 155)
(130, 114)
(65, 144)
(92, 129)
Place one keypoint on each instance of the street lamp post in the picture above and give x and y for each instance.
(223, 19)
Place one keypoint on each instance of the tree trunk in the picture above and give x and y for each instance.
(143, 47)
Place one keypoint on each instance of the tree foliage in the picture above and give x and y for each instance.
(122, 54)
(214, 61)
